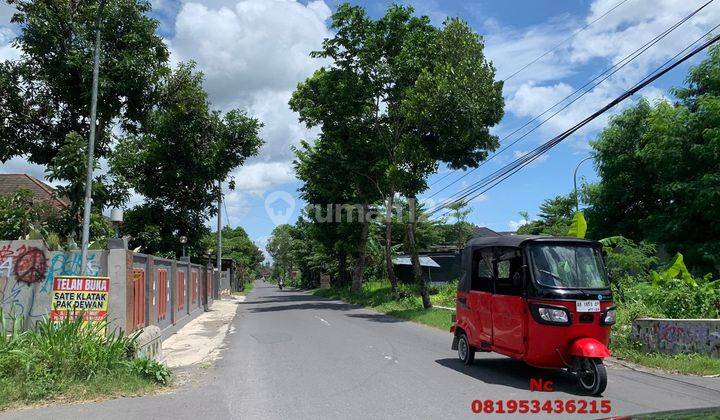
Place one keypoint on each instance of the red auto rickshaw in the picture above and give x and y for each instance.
(544, 300)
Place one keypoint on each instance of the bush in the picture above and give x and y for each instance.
(45, 361)
(152, 370)
(446, 295)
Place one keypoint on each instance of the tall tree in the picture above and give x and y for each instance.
(337, 100)
(446, 115)
(179, 156)
(323, 169)
(238, 246)
(45, 95)
(414, 95)
(659, 167)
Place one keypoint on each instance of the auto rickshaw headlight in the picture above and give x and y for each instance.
(553, 315)
(609, 317)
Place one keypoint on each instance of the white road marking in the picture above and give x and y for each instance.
(325, 322)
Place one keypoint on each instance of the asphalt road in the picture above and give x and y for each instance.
(295, 356)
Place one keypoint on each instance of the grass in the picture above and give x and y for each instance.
(377, 295)
(71, 361)
(624, 347)
(247, 289)
(694, 364)
(105, 386)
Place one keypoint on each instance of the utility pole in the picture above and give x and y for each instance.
(91, 142)
(219, 233)
(577, 198)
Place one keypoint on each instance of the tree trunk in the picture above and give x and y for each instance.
(359, 272)
(343, 279)
(417, 270)
(388, 245)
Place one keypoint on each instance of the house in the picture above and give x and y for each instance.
(440, 263)
(10, 183)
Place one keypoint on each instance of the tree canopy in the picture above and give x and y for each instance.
(659, 167)
(178, 156)
(398, 96)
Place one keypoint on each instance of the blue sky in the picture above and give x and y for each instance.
(254, 52)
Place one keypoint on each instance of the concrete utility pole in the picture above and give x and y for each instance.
(219, 233)
(91, 142)
(577, 198)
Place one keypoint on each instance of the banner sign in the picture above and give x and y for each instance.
(73, 295)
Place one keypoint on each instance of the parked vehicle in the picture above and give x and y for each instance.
(544, 300)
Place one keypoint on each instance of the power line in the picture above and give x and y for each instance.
(604, 75)
(517, 165)
(543, 55)
(561, 43)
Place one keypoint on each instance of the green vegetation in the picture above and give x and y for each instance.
(680, 363)
(155, 127)
(205, 146)
(378, 295)
(71, 360)
(236, 244)
(247, 288)
(22, 215)
(45, 93)
(397, 98)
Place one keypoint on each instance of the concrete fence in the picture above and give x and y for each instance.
(144, 290)
(674, 336)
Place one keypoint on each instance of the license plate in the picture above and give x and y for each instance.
(587, 305)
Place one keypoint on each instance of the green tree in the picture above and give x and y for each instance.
(70, 163)
(179, 156)
(659, 171)
(21, 214)
(399, 96)
(446, 115)
(323, 169)
(46, 93)
(461, 229)
(280, 248)
(554, 218)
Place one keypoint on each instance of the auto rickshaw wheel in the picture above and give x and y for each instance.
(465, 351)
(592, 375)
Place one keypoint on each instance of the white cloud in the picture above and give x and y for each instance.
(6, 12)
(604, 43)
(253, 54)
(510, 49)
(515, 225)
(7, 51)
(20, 165)
(259, 176)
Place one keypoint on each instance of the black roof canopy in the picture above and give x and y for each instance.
(514, 241)
(518, 240)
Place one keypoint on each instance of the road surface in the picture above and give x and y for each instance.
(295, 356)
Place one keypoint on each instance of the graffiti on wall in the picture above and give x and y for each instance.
(27, 270)
(679, 336)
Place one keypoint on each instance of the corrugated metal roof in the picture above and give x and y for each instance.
(424, 261)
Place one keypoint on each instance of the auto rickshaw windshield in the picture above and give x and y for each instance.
(568, 266)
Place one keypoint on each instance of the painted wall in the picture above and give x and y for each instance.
(27, 269)
(674, 336)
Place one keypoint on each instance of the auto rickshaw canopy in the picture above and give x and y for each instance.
(507, 241)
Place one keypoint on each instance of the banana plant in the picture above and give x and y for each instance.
(578, 227)
(677, 269)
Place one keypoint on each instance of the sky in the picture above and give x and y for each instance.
(254, 52)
